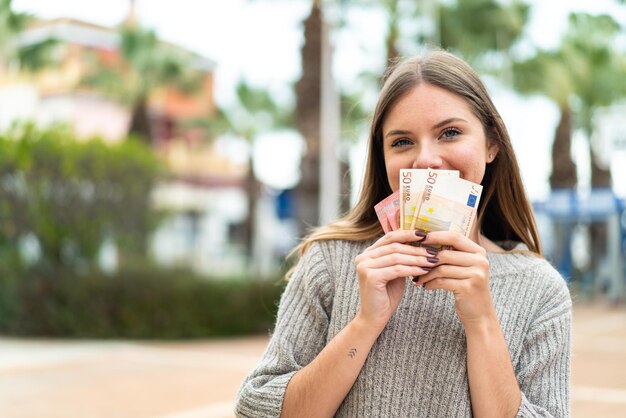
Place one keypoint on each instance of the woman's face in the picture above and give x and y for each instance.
(430, 127)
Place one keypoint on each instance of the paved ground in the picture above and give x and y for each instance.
(54, 379)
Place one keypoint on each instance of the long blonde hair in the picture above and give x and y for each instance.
(505, 213)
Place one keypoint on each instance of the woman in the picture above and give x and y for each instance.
(484, 328)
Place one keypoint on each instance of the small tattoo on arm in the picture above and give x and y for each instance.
(352, 353)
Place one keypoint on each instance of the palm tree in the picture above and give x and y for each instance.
(254, 113)
(548, 73)
(587, 69)
(599, 80)
(479, 28)
(483, 40)
(493, 28)
(307, 118)
(146, 66)
(16, 55)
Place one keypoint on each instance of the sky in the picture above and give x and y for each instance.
(259, 40)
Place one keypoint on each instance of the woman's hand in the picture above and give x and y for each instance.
(381, 270)
(463, 270)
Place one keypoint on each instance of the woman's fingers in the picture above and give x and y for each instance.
(447, 271)
(463, 270)
(460, 258)
(397, 248)
(400, 236)
(451, 285)
(393, 272)
(401, 259)
(453, 239)
(392, 257)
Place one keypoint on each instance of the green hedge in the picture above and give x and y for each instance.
(150, 304)
(71, 195)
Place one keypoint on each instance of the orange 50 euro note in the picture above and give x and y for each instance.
(412, 186)
(447, 203)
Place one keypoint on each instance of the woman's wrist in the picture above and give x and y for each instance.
(482, 326)
(366, 328)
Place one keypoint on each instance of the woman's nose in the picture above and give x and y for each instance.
(427, 157)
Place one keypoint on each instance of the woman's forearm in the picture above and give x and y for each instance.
(494, 389)
(319, 388)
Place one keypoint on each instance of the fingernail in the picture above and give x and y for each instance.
(431, 251)
(426, 268)
(420, 234)
(432, 259)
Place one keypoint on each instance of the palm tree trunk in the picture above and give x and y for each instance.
(308, 113)
(253, 191)
(393, 33)
(600, 179)
(140, 121)
(563, 168)
(563, 177)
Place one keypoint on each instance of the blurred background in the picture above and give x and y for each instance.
(159, 160)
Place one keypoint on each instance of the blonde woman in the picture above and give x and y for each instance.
(484, 328)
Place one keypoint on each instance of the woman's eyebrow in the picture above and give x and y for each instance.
(447, 121)
(395, 132)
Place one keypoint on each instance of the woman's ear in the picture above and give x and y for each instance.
(492, 152)
(492, 146)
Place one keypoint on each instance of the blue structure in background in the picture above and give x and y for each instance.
(285, 204)
(566, 209)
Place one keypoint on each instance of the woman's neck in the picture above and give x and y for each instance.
(483, 241)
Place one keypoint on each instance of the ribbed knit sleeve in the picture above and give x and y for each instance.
(299, 335)
(543, 370)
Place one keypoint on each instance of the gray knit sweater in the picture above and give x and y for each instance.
(417, 367)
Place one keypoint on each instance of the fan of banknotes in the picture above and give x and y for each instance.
(430, 200)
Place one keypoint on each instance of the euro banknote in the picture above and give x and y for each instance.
(412, 185)
(447, 203)
(430, 200)
(388, 212)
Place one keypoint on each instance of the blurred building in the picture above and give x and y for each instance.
(61, 95)
(205, 194)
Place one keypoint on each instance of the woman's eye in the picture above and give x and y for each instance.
(400, 142)
(450, 133)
